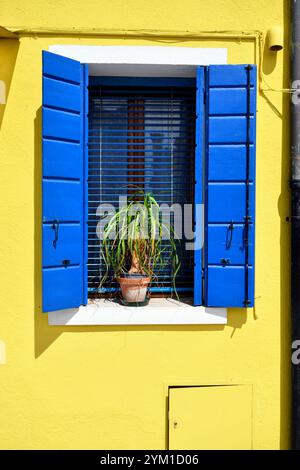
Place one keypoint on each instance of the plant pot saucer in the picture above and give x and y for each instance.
(134, 304)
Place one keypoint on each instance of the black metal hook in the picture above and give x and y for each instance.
(55, 227)
(229, 235)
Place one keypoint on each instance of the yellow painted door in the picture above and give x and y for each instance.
(210, 417)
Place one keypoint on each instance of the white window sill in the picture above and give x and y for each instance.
(159, 311)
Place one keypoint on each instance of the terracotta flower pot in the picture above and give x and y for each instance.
(134, 287)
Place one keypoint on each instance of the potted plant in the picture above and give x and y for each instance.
(132, 247)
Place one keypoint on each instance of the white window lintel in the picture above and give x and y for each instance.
(142, 61)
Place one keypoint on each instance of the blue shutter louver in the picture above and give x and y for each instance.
(63, 185)
(230, 178)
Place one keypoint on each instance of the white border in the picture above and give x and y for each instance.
(160, 311)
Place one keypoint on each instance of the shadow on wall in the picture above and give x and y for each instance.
(285, 243)
(44, 334)
(269, 60)
(8, 53)
(283, 206)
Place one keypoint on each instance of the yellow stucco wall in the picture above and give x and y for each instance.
(105, 387)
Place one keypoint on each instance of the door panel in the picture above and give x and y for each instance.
(210, 417)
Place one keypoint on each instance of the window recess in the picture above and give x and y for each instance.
(143, 133)
(140, 137)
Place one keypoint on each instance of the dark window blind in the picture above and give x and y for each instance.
(140, 137)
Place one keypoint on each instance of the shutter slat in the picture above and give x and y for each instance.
(230, 186)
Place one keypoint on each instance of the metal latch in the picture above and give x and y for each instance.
(225, 261)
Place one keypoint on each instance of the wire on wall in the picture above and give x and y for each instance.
(161, 36)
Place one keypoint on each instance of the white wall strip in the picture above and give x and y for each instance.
(143, 54)
(142, 61)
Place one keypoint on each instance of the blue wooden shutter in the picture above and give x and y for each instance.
(198, 194)
(230, 178)
(63, 136)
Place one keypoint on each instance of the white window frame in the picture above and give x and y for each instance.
(141, 61)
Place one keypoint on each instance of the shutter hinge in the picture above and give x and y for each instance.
(225, 261)
(203, 273)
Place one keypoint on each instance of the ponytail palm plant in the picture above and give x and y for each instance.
(133, 241)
